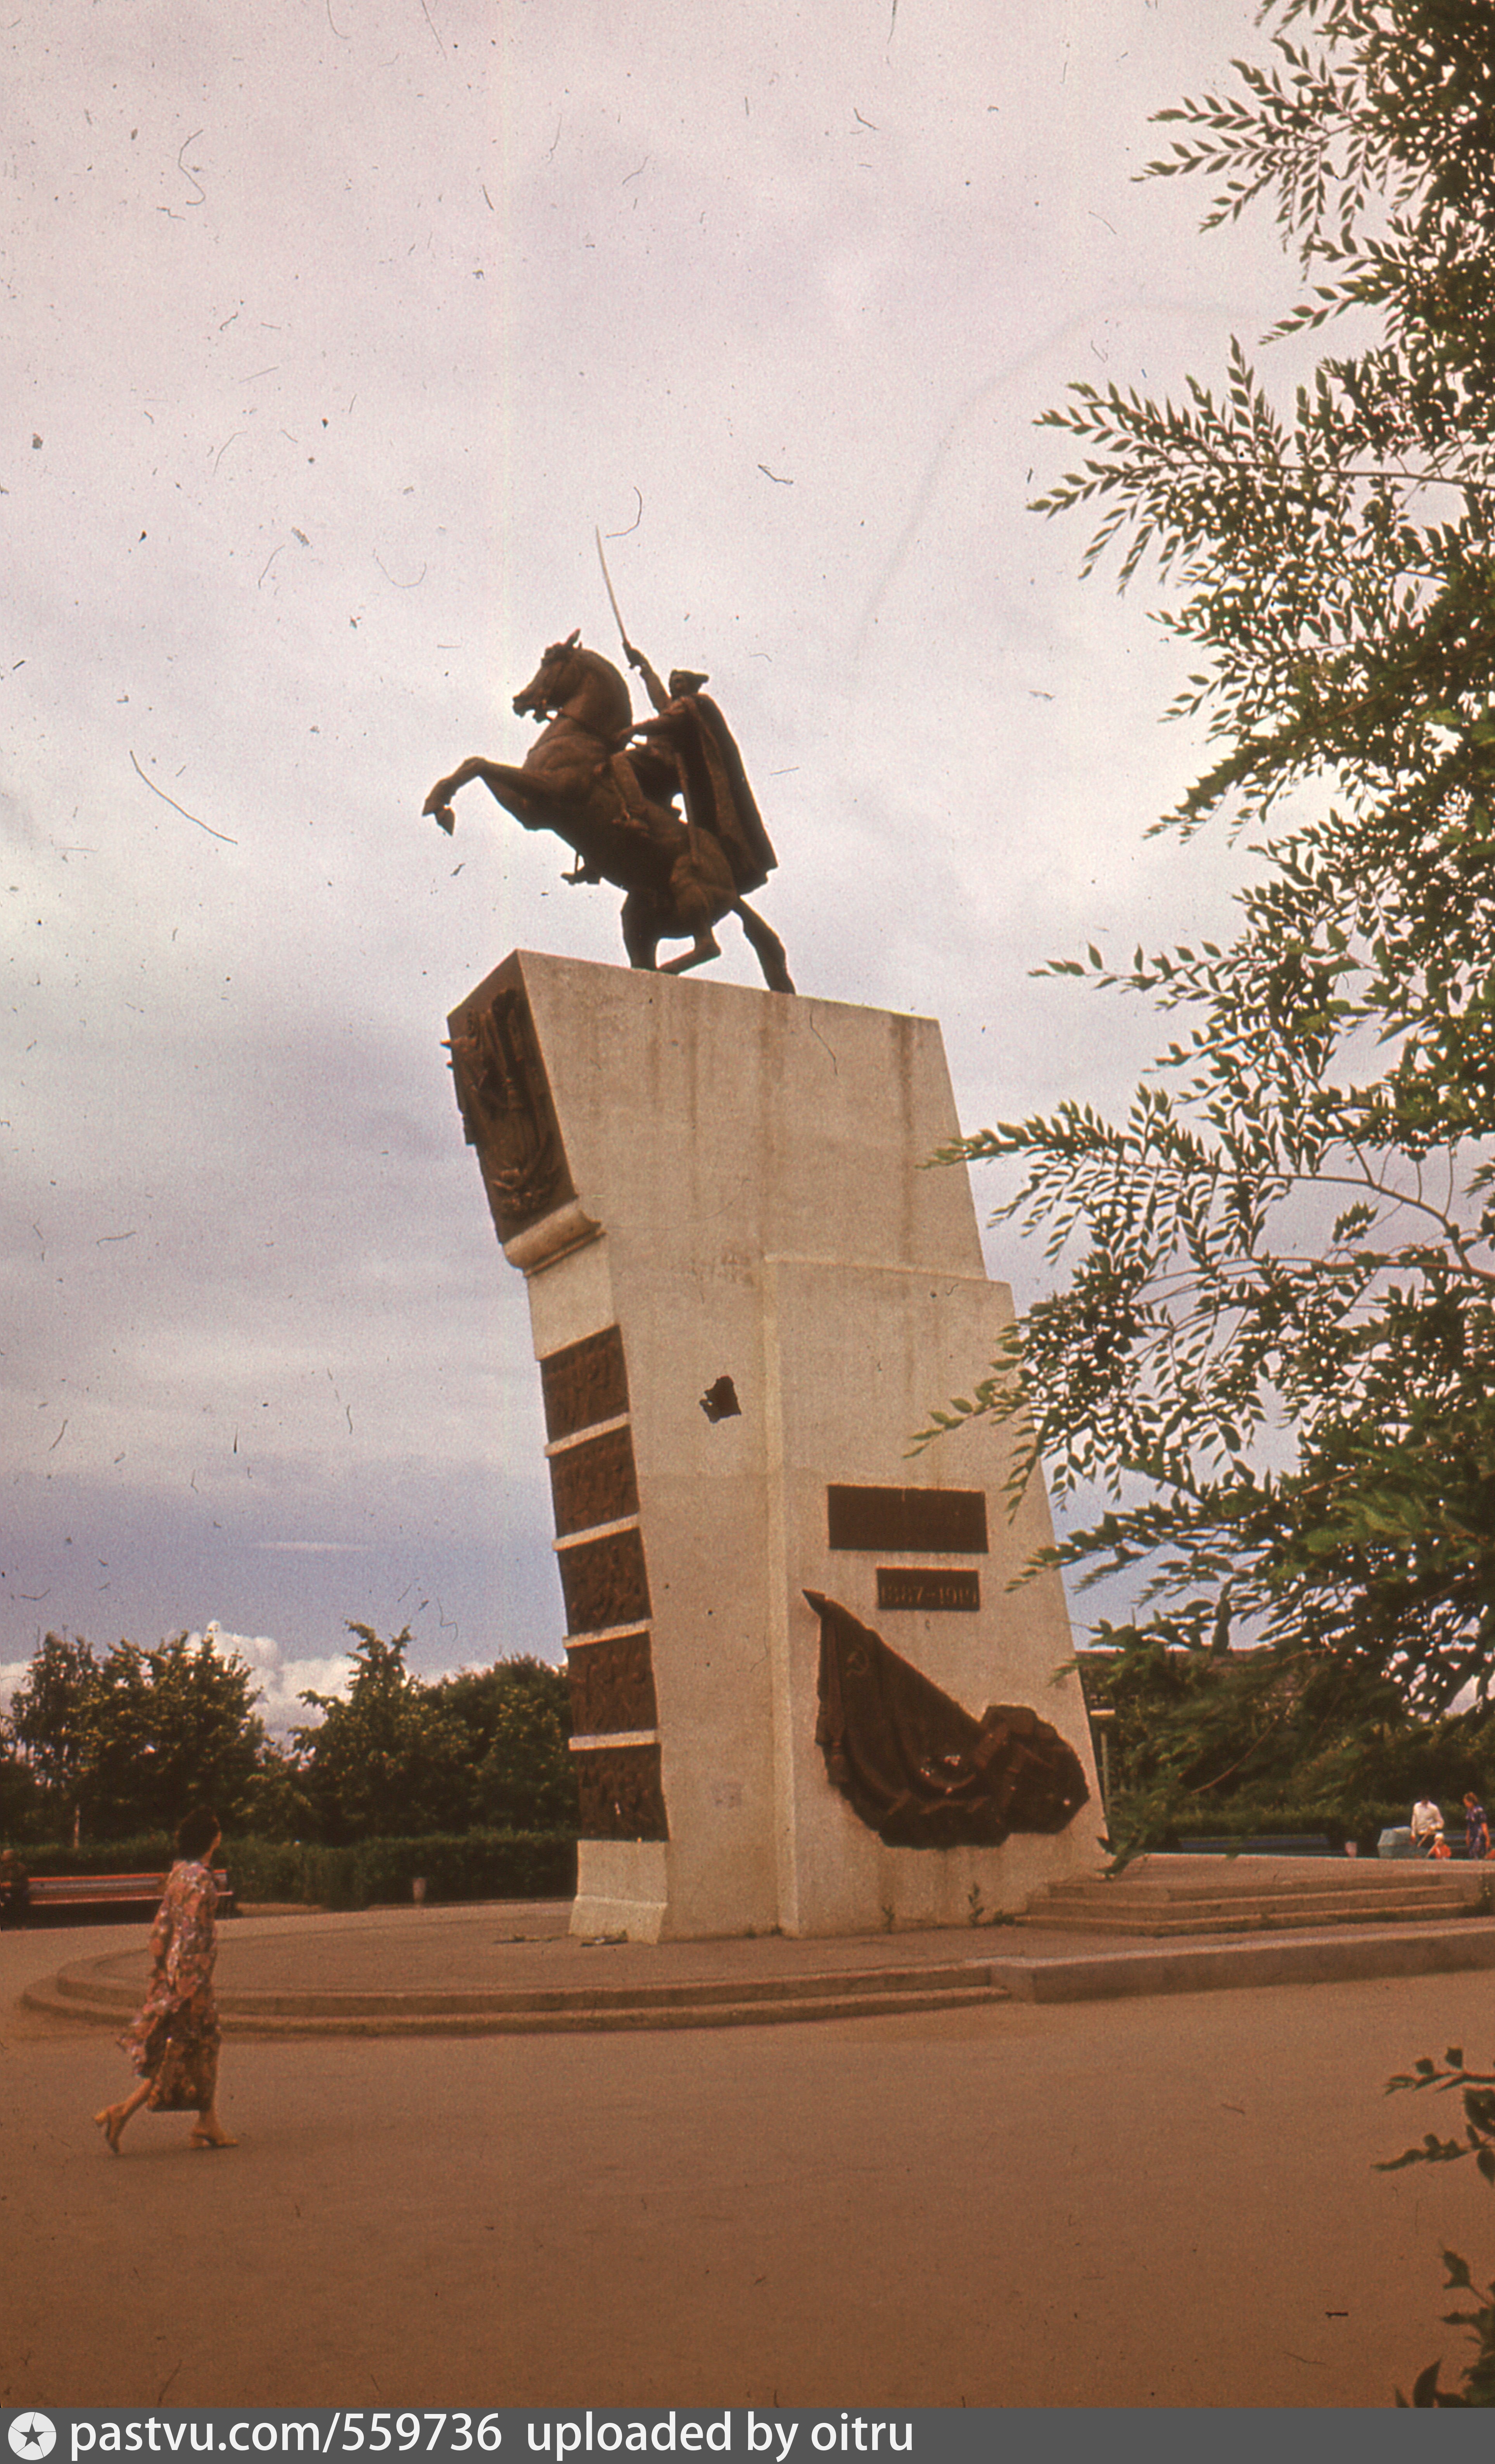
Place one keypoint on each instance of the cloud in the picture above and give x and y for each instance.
(280, 1682)
(283, 1682)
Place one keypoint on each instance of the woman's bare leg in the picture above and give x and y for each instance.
(210, 2131)
(113, 2117)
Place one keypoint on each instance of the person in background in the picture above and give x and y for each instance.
(174, 2037)
(1440, 1846)
(1426, 1820)
(15, 1891)
(1476, 1828)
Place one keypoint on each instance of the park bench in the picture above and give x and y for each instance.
(94, 1893)
(1293, 1844)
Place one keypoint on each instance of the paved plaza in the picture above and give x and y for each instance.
(1163, 2200)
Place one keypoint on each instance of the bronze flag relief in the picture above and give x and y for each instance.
(917, 1768)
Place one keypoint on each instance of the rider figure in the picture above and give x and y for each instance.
(681, 681)
(656, 754)
(690, 732)
(649, 774)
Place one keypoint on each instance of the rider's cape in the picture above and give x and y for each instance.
(714, 785)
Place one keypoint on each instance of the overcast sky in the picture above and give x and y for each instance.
(331, 329)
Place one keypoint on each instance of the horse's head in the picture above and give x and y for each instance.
(553, 679)
(581, 683)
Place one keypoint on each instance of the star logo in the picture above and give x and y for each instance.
(31, 2433)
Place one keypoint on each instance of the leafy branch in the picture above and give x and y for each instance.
(1477, 2091)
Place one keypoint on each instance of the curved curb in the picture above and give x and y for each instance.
(88, 1995)
(84, 1996)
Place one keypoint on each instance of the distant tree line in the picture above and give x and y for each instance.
(1231, 1742)
(116, 1745)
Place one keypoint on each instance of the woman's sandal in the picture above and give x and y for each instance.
(205, 2139)
(111, 2127)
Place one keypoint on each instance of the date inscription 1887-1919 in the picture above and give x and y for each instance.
(928, 1587)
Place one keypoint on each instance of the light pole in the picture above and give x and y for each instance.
(1101, 1723)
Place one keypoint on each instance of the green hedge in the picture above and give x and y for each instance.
(471, 1865)
(1338, 1822)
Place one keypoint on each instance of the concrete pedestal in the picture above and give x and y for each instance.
(745, 1294)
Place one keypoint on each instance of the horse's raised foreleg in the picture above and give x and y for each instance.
(766, 946)
(515, 791)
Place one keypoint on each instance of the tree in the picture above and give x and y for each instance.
(482, 1751)
(21, 1800)
(277, 1806)
(1275, 1341)
(49, 1722)
(128, 1743)
(517, 1719)
(383, 1762)
(168, 1729)
(1236, 1746)
(115, 1746)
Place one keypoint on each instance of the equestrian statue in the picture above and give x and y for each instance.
(609, 787)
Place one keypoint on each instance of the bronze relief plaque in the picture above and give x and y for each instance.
(583, 1383)
(621, 1794)
(504, 1098)
(603, 1583)
(612, 1686)
(919, 1769)
(594, 1482)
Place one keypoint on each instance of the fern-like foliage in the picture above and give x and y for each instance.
(1272, 1341)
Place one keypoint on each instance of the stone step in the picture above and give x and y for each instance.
(1171, 1895)
(1394, 1883)
(1247, 1919)
(120, 1995)
(105, 2002)
(1107, 1903)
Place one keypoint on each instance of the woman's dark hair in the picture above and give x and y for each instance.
(196, 1835)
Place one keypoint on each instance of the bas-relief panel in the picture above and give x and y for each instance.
(621, 1797)
(594, 1482)
(612, 1686)
(507, 1113)
(603, 1583)
(583, 1383)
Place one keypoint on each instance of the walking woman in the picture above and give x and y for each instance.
(174, 2037)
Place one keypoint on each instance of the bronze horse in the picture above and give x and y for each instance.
(614, 807)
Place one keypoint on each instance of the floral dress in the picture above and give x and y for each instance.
(174, 2037)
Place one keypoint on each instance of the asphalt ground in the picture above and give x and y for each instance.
(1158, 2201)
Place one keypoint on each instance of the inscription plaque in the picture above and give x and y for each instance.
(928, 1587)
(594, 1482)
(621, 1794)
(603, 1583)
(947, 1521)
(612, 1686)
(586, 1382)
